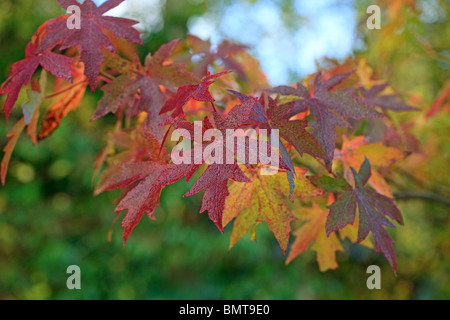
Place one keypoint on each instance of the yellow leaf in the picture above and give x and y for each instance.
(13, 136)
(354, 152)
(313, 230)
(326, 249)
(351, 232)
(263, 200)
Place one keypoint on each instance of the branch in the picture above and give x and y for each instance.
(423, 196)
(65, 90)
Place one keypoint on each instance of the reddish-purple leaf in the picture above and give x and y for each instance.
(328, 109)
(22, 71)
(294, 131)
(199, 92)
(91, 37)
(392, 102)
(373, 210)
(224, 52)
(124, 89)
(215, 182)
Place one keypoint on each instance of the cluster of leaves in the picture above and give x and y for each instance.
(324, 178)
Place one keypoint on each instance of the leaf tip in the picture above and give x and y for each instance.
(219, 226)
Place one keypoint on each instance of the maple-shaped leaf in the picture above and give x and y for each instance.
(227, 54)
(373, 208)
(393, 102)
(23, 70)
(215, 182)
(138, 199)
(402, 139)
(116, 138)
(293, 131)
(144, 196)
(198, 92)
(237, 118)
(90, 37)
(166, 72)
(139, 87)
(350, 232)
(262, 200)
(215, 178)
(135, 170)
(142, 173)
(224, 52)
(122, 91)
(258, 115)
(313, 231)
(328, 108)
(353, 153)
(276, 116)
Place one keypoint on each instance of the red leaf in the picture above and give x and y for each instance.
(373, 210)
(215, 182)
(197, 92)
(328, 108)
(91, 37)
(135, 170)
(262, 200)
(226, 52)
(386, 102)
(294, 131)
(70, 100)
(143, 197)
(134, 79)
(23, 70)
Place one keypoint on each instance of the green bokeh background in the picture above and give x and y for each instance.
(49, 218)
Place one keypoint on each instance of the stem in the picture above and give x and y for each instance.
(213, 106)
(106, 75)
(164, 139)
(103, 78)
(422, 196)
(331, 172)
(65, 90)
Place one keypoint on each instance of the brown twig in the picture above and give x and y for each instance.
(404, 195)
(213, 106)
(65, 90)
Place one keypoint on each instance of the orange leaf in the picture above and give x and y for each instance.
(262, 200)
(73, 94)
(353, 153)
(13, 136)
(314, 231)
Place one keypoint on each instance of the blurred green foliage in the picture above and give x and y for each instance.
(50, 220)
